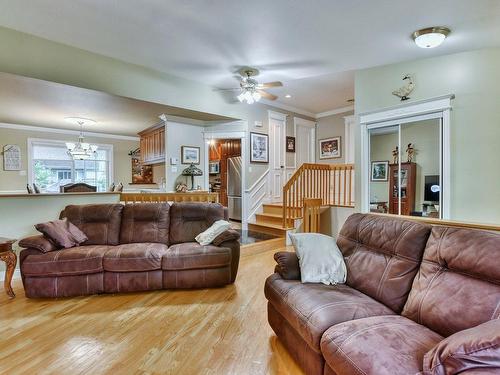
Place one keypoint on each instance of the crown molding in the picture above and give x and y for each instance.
(335, 111)
(66, 131)
(287, 108)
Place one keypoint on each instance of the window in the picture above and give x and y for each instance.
(51, 167)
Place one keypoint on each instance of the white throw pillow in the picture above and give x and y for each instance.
(320, 259)
(206, 237)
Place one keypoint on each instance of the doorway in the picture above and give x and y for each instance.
(305, 141)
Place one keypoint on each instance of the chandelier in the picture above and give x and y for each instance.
(81, 150)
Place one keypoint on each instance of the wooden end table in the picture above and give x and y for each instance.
(10, 259)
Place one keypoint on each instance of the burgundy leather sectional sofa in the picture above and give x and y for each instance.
(132, 247)
(413, 292)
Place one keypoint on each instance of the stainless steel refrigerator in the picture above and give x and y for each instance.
(234, 169)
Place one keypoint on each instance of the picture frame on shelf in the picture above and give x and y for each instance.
(330, 148)
(259, 148)
(190, 155)
(380, 171)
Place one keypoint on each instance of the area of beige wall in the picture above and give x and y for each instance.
(331, 126)
(424, 137)
(474, 78)
(14, 181)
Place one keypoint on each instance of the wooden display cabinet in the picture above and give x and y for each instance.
(408, 184)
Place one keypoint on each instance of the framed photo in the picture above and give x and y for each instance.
(190, 154)
(290, 144)
(380, 170)
(141, 174)
(330, 148)
(259, 148)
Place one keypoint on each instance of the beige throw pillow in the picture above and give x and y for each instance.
(206, 237)
(320, 260)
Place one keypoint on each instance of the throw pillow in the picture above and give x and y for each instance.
(476, 348)
(62, 232)
(206, 237)
(38, 242)
(320, 260)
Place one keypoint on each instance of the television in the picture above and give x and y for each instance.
(432, 188)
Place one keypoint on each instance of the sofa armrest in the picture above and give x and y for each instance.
(470, 349)
(38, 242)
(288, 265)
(228, 235)
(234, 245)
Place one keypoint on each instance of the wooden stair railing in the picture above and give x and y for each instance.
(333, 184)
(169, 197)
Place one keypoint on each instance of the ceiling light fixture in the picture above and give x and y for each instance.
(81, 150)
(288, 96)
(430, 37)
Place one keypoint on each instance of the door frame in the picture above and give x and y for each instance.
(438, 107)
(209, 135)
(277, 116)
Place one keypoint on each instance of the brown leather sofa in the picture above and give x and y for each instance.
(413, 292)
(132, 247)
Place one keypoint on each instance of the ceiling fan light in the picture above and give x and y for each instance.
(70, 146)
(256, 96)
(241, 97)
(430, 37)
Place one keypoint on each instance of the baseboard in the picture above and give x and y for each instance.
(17, 274)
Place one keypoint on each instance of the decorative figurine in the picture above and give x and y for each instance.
(395, 155)
(405, 90)
(181, 188)
(410, 151)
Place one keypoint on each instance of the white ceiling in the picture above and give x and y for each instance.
(29, 101)
(311, 45)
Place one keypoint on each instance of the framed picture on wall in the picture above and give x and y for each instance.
(290, 144)
(330, 148)
(190, 155)
(259, 148)
(380, 170)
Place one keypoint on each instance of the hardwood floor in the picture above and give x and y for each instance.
(210, 331)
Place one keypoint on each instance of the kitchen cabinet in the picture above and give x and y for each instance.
(152, 144)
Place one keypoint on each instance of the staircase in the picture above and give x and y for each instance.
(323, 185)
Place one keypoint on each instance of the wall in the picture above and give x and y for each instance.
(13, 181)
(331, 126)
(424, 136)
(179, 135)
(474, 78)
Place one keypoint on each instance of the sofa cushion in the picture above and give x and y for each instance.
(313, 308)
(134, 257)
(382, 256)
(62, 232)
(145, 222)
(379, 345)
(100, 222)
(192, 255)
(188, 219)
(78, 260)
(460, 268)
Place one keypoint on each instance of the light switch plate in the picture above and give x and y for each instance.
(258, 124)
(174, 169)
(22, 173)
(174, 161)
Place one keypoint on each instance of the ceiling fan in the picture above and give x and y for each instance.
(251, 90)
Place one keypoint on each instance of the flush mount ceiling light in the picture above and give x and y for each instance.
(80, 150)
(288, 96)
(430, 37)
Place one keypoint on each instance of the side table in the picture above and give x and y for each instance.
(10, 259)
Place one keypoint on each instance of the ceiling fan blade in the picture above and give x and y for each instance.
(233, 89)
(266, 95)
(270, 84)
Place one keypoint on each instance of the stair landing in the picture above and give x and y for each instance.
(271, 219)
